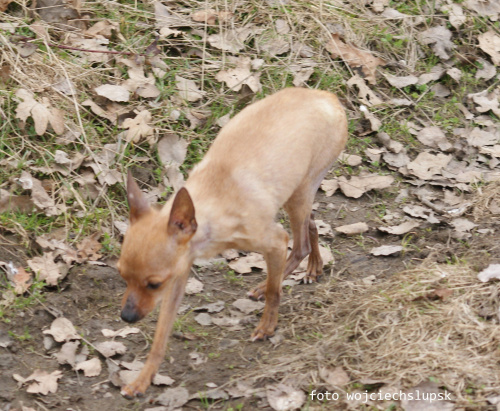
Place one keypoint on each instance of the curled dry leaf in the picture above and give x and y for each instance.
(113, 92)
(212, 307)
(172, 149)
(336, 377)
(90, 368)
(400, 82)
(248, 306)
(21, 280)
(400, 229)
(352, 229)
(139, 128)
(203, 319)
(193, 286)
(62, 329)
(123, 332)
(455, 14)
(329, 187)
(486, 101)
(188, 90)
(232, 39)
(283, 397)
(487, 72)
(41, 113)
(385, 250)
(173, 398)
(489, 42)
(110, 348)
(358, 185)
(244, 265)
(492, 272)
(67, 354)
(434, 137)
(39, 194)
(47, 269)
(355, 57)
(440, 39)
(485, 8)
(237, 77)
(427, 165)
(365, 94)
(44, 382)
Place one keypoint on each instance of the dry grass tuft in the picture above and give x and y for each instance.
(397, 332)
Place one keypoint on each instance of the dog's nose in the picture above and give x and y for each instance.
(130, 316)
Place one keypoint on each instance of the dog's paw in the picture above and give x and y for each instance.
(134, 389)
(258, 293)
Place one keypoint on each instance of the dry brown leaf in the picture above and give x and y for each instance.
(492, 272)
(323, 228)
(104, 28)
(47, 270)
(352, 229)
(193, 286)
(188, 90)
(208, 16)
(123, 332)
(232, 39)
(4, 4)
(487, 72)
(60, 13)
(434, 137)
(67, 354)
(440, 39)
(485, 8)
(489, 42)
(421, 212)
(434, 74)
(113, 92)
(12, 203)
(41, 113)
(110, 348)
(375, 123)
(244, 265)
(455, 14)
(62, 329)
(487, 101)
(237, 77)
(427, 165)
(365, 94)
(139, 128)
(90, 368)
(39, 195)
(283, 397)
(479, 137)
(172, 149)
(400, 229)
(88, 248)
(336, 377)
(355, 57)
(329, 187)
(21, 280)
(44, 382)
(247, 306)
(385, 250)
(173, 398)
(400, 82)
(421, 398)
(166, 18)
(352, 160)
(358, 185)
(203, 319)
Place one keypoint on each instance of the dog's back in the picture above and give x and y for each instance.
(272, 146)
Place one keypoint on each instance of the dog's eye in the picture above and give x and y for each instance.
(153, 286)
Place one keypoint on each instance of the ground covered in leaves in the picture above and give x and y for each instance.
(408, 218)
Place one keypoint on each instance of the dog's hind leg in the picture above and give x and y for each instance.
(298, 208)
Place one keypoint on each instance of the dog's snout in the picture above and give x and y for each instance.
(130, 313)
(130, 316)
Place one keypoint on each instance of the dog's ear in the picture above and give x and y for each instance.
(182, 221)
(137, 203)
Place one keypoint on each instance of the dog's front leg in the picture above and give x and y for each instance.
(275, 256)
(168, 310)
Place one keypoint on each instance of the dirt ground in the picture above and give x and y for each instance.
(90, 298)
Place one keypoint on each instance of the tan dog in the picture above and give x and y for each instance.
(273, 154)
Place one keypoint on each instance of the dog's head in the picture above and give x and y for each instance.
(155, 260)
